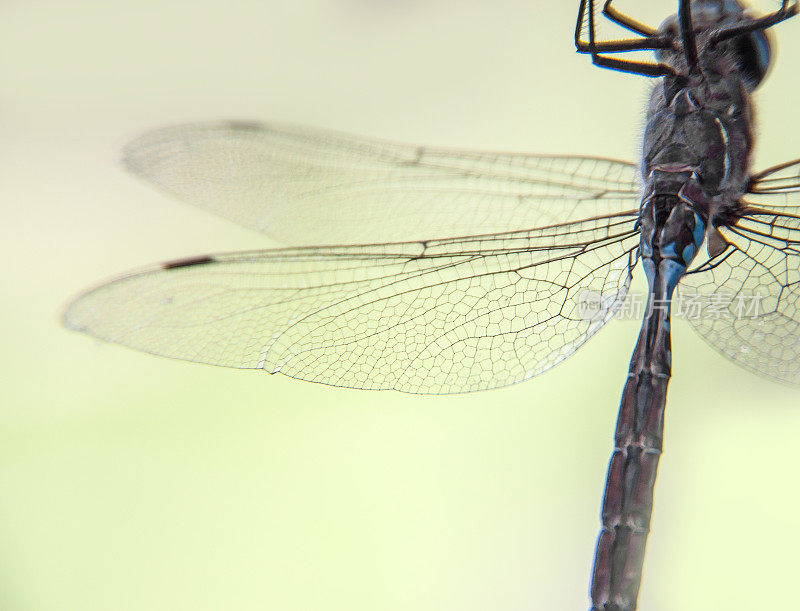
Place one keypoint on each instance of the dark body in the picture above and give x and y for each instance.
(696, 169)
(466, 270)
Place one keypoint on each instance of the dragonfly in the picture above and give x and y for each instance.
(464, 271)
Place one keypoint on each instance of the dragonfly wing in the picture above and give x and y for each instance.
(746, 302)
(440, 316)
(304, 186)
(783, 178)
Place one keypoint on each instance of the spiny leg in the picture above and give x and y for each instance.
(596, 49)
(687, 34)
(785, 12)
(626, 21)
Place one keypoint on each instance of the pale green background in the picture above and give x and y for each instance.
(129, 482)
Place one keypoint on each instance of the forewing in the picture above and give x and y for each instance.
(440, 316)
(306, 186)
(746, 302)
(780, 179)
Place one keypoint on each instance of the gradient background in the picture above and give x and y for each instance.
(129, 482)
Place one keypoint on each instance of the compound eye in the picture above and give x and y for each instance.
(753, 52)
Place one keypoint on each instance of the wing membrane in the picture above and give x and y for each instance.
(439, 316)
(751, 293)
(783, 178)
(306, 186)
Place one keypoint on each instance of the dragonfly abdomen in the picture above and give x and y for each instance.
(672, 233)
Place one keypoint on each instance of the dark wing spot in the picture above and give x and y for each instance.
(187, 262)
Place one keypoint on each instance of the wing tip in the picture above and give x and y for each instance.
(152, 148)
(70, 319)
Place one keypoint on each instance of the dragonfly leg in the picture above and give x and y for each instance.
(597, 49)
(626, 21)
(687, 34)
(785, 12)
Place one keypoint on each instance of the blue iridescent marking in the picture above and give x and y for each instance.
(649, 269)
(672, 274)
(669, 251)
(699, 229)
(699, 235)
(689, 252)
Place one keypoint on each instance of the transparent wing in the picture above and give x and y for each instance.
(305, 186)
(780, 179)
(440, 316)
(746, 302)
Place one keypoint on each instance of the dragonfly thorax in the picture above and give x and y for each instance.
(704, 130)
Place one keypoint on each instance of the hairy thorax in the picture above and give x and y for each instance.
(704, 128)
(699, 136)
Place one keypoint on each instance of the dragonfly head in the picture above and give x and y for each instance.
(717, 9)
(752, 51)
